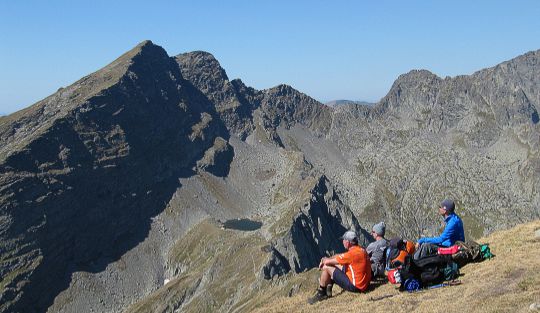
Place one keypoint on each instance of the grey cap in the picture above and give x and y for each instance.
(380, 229)
(448, 205)
(350, 236)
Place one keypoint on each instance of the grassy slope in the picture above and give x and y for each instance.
(508, 283)
(222, 269)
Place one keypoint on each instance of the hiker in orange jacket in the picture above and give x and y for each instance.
(350, 270)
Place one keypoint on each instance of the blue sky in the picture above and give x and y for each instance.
(326, 49)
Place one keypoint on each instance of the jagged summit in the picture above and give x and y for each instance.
(19, 128)
(291, 96)
(205, 73)
(286, 106)
(145, 47)
(202, 66)
(412, 81)
(420, 74)
(144, 52)
(285, 90)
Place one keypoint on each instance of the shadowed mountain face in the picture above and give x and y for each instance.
(122, 180)
(82, 191)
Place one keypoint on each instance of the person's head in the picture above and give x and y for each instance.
(349, 239)
(447, 207)
(378, 231)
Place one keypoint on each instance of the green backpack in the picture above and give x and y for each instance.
(485, 252)
(451, 271)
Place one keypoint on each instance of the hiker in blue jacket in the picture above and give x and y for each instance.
(453, 231)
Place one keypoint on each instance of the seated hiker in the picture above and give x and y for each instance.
(350, 270)
(453, 231)
(376, 250)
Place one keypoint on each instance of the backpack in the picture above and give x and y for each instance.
(397, 251)
(485, 252)
(471, 251)
(450, 271)
(431, 275)
(430, 269)
(411, 285)
(426, 250)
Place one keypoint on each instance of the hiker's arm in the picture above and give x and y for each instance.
(446, 234)
(433, 240)
(328, 261)
(370, 248)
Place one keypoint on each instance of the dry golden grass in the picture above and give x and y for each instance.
(508, 283)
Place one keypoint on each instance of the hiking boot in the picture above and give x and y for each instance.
(319, 296)
(329, 290)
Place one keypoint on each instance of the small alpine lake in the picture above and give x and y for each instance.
(242, 224)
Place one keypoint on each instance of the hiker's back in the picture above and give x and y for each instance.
(459, 231)
(377, 254)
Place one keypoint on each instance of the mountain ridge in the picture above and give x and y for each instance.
(110, 174)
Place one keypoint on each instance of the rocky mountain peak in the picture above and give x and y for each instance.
(282, 90)
(132, 128)
(286, 97)
(145, 52)
(411, 92)
(415, 75)
(200, 66)
(19, 128)
(287, 106)
(146, 47)
(415, 79)
(232, 100)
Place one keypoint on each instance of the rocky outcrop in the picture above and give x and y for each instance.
(277, 265)
(232, 100)
(217, 158)
(314, 232)
(285, 106)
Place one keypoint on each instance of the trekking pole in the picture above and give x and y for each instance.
(438, 286)
(450, 283)
(380, 297)
(447, 284)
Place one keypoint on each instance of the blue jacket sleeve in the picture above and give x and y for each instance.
(446, 234)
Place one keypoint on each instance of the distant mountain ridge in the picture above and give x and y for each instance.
(335, 103)
(121, 178)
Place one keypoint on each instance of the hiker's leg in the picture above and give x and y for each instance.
(374, 271)
(326, 275)
(340, 278)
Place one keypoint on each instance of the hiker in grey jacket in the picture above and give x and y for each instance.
(376, 249)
